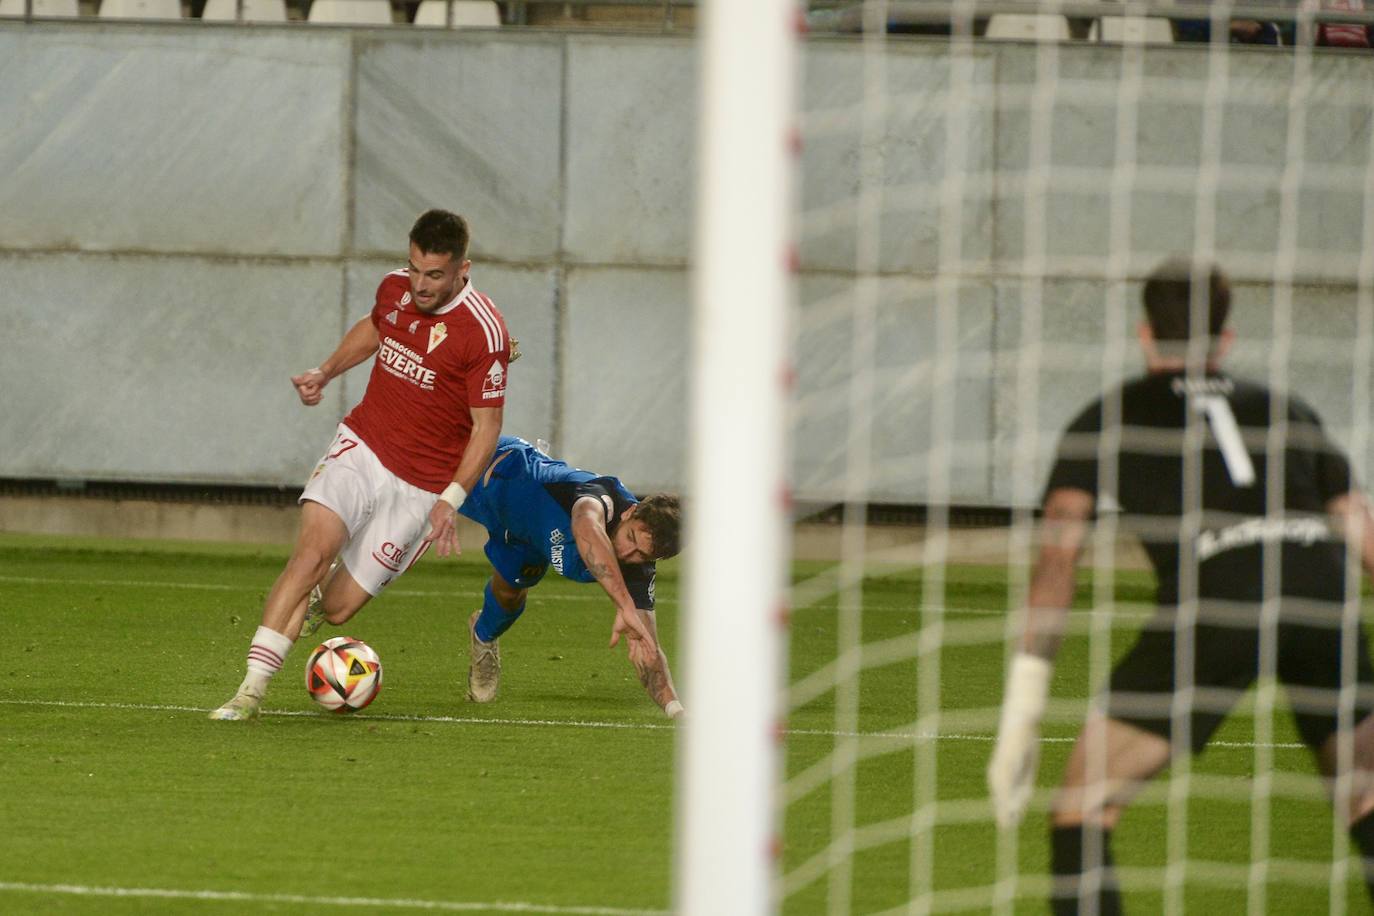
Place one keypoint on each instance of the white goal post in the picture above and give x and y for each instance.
(736, 556)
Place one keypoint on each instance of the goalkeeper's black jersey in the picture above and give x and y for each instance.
(1219, 464)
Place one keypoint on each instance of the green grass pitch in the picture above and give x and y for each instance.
(117, 795)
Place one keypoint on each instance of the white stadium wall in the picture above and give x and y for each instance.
(190, 214)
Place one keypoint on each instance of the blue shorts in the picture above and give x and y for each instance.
(511, 495)
(519, 564)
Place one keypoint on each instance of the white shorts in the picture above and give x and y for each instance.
(387, 518)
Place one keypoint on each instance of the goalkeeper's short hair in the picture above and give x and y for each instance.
(1168, 298)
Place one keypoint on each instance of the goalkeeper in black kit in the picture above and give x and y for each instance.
(1220, 479)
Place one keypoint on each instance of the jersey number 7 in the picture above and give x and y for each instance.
(1223, 422)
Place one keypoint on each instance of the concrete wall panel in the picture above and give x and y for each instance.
(880, 171)
(205, 141)
(630, 151)
(922, 367)
(624, 385)
(486, 146)
(138, 368)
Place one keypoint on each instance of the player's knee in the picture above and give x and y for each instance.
(309, 563)
(1073, 807)
(508, 596)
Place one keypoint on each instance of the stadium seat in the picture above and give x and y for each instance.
(1028, 27)
(466, 13)
(1147, 30)
(351, 12)
(253, 10)
(41, 8)
(140, 9)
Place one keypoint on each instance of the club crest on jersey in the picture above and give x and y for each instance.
(437, 335)
(494, 385)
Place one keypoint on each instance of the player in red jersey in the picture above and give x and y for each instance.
(404, 458)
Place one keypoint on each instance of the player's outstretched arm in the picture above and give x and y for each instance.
(1355, 522)
(358, 344)
(443, 517)
(598, 554)
(651, 664)
(1011, 771)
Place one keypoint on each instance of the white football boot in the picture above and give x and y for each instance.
(314, 613)
(484, 665)
(243, 707)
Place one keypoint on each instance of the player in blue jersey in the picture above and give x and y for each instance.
(539, 513)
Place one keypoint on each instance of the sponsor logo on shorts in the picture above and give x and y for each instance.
(529, 572)
(390, 555)
(494, 385)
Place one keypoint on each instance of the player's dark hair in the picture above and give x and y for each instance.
(441, 232)
(661, 514)
(1169, 298)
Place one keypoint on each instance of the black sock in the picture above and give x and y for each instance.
(1362, 832)
(1066, 865)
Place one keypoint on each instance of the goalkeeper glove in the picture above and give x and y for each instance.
(1011, 771)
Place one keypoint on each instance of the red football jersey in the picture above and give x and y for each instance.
(429, 371)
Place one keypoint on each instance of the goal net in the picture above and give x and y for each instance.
(976, 196)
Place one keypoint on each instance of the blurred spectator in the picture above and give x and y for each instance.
(1336, 34)
(1243, 31)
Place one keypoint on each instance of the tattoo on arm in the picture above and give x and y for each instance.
(654, 676)
(600, 570)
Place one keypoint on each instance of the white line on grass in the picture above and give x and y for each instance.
(425, 593)
(372, 902)
(584, 723)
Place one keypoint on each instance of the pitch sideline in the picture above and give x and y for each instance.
(371, 902)
(585, 723)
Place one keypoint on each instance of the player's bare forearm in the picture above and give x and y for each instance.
(358, 344)
(486, 430)
(653, 674)
(594, 546)
(1355, 522)
(1062, 533)
(651, 665)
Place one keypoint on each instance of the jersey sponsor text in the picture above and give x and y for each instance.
(401, 361)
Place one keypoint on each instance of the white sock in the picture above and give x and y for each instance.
(265, 658)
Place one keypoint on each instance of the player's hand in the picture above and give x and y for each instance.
(443, 529)
(636, 631)
(1011, 771)
(310, 386)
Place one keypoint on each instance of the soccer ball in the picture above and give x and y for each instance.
(344, 674)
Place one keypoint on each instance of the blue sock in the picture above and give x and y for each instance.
(494, 619)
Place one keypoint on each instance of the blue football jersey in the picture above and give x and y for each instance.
(526, 507)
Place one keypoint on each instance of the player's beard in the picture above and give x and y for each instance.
(441, 297)
(433, 304)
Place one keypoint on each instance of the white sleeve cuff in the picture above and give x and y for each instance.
(673, 709)
(454, 495)
(1028, 688)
